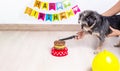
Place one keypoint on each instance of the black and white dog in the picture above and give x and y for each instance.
(98, 25)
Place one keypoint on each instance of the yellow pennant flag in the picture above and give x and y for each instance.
(28, 10)
(70, 13)
(37, 4)
(34, 13)
(44, 5)
(63, 15)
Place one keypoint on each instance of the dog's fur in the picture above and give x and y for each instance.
(98, 25)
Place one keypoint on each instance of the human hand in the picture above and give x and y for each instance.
(115, 32)
(80, 35)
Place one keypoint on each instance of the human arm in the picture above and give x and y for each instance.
(113, 10)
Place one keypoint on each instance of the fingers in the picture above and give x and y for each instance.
(111, 28)
(114, 32)
(110, 35)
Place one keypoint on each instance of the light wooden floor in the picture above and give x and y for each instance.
(30, 51)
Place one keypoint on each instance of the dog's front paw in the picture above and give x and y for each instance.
(96, 51)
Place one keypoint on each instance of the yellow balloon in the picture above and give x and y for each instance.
(119, 66)
(105, 61)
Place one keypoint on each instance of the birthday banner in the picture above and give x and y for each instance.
(52, 17)
(52, 6)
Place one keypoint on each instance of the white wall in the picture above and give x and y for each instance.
(12, 11)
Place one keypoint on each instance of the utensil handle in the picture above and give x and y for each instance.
(67, 38)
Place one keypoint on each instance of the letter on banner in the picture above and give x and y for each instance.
(41, 16)
(59, 5)
(52, 6)
(37, 4)
(28, 10)
(70, 13)
(55, 17)
(76, 9)
(63, 15)
(49, 17)
(34, 13)
(45, 5)
(66, 3)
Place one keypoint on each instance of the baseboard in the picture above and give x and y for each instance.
(39, 27)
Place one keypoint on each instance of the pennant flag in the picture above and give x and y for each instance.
(76, 9)
(41, 16)
(63, 15)
(34, 13)
(37, 4)
(45, 5)
(55, 17)
(66, 3)
(52, 6)
(59, 5)
(70, 13)
(49, 17)
(28, 10)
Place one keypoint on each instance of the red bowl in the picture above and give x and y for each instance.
(59, 53)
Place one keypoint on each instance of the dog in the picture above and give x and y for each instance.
(95, 24)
